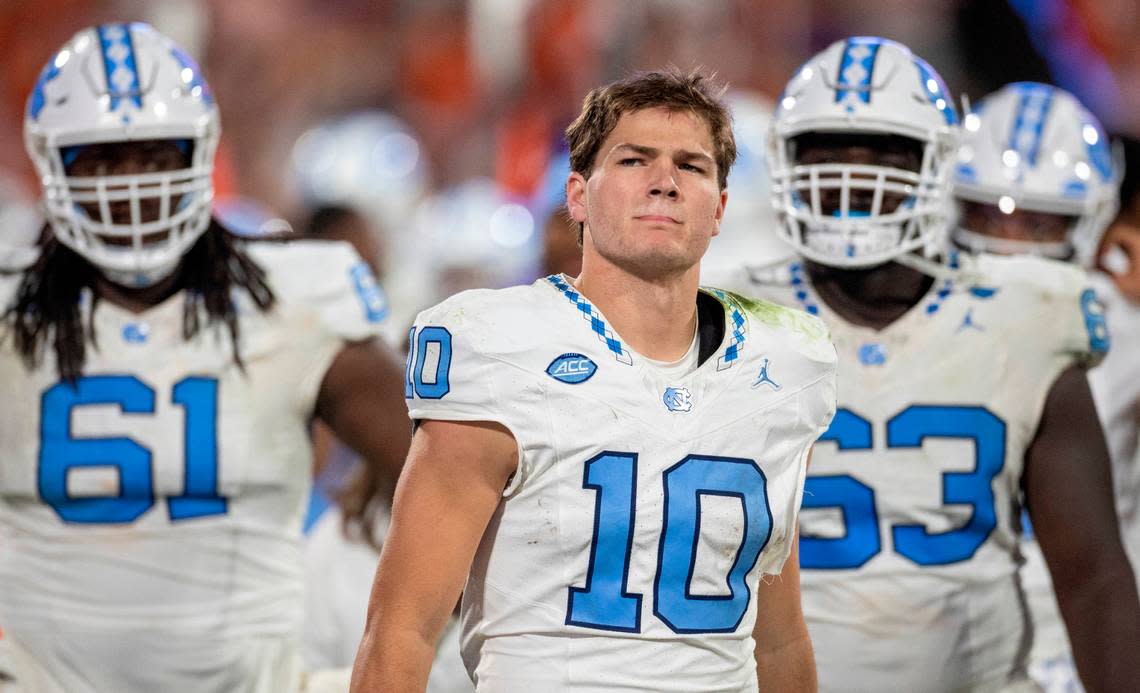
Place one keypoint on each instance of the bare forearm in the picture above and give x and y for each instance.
(790, 667)
(1102, 614)
(392, 661)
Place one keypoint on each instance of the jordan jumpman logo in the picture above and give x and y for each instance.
(764, 378)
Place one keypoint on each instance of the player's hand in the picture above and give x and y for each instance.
(1119, 257)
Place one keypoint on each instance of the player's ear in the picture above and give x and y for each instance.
(576, 196)
(718, 215)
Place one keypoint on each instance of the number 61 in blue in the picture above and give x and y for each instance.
(60, 452)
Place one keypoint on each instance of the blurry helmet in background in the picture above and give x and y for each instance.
(369, 160)
(748, 230)
(874, 87)
(1032, 147)
(123, 83)
(477, 230)
(471, 235)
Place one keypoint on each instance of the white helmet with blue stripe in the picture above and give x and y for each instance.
(873, 89)
(123, 83)
(1034, 147)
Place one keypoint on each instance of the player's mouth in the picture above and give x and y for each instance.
(660, 218)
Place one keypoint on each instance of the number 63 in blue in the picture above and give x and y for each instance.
(60, 452)
(856, 500)
(605, 603)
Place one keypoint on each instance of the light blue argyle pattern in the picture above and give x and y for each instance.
(736, 341)
(591, 315)
(120, 65)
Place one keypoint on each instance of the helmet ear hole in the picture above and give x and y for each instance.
(122, 128)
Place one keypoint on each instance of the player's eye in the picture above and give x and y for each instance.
(692, 167)
(630, 161)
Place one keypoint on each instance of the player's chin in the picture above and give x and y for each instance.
(658, 262)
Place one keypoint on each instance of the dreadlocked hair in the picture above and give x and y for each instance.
(47, 308)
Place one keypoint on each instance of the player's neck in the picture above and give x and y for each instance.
(137, 300)
(873, 297)
(657, 319)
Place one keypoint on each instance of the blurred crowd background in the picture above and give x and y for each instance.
(430, 130)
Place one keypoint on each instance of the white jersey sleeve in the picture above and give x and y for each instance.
(457, 370)
(1057, 305)
(1049, 316)
(330, 291)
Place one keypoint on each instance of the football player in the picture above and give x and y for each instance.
(603, 459)
(1035, 176)
(963, 400)
(160, 374)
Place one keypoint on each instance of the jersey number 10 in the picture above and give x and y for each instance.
(60, 452)
(605, 603)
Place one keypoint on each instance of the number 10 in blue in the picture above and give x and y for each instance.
(605, 602)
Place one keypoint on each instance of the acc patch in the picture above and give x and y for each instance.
(572, 368)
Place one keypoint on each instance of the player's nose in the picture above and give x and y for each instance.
(663, 179)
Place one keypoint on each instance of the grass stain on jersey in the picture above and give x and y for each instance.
(780, 316)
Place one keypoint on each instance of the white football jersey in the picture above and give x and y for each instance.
(629, 544)
(150, 514)
(911, 517)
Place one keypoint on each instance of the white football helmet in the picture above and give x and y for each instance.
(865, 86)
(123, 83)
(1034, 147)
(369, 160)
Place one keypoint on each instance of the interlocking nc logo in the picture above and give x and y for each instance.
(678, 399)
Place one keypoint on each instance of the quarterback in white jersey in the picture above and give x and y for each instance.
(662, 494)
(612, 462)
(160, 376)
(962, 400)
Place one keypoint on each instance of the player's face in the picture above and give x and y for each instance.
(127, 159)
(1019, 225)
(857, 149)
(652, 202)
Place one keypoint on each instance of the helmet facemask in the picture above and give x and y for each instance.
(858, 200)
(134, 227)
